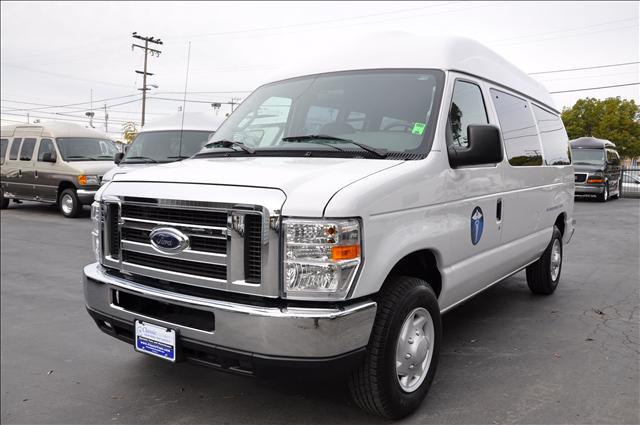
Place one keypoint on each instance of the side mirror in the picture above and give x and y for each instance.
(49, 157)
(484, 147)
(117, 158)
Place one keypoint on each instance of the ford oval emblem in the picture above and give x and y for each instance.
(168, 240)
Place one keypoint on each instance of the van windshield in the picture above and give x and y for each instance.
(365, 113)
(587, 156)
(166, 146)
(86, 149)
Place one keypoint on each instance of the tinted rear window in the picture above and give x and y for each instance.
(15, 147)
(3, 148)
(518, 129)
(27, 149)
(555, 142)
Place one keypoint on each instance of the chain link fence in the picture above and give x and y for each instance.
(630, 187)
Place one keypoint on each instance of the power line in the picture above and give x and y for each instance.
(69, 104)
(536, 35)
(79, 119)
(69, 77)
(311, 23)
(595, 88)
(586, 67)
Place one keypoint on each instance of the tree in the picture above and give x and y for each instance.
(613, 119)
(129, 131)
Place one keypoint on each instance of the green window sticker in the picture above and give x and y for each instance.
(418, 128)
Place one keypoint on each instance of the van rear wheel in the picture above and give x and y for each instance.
(69, 203)
(403, 350)
(4, 202)
(543, 275)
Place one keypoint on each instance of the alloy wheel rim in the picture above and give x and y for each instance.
(556, 259)
(67, 204)
(414, 349)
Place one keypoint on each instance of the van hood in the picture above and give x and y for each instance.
(308, 183)
(91, 167)
(122, 169)
(587, 168)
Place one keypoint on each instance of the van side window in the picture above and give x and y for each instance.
(3, 148)
(518, 129)
(15, 147)
(27, 149)
(467, 107)
(613, 158)
(555, 142)
(46, 146)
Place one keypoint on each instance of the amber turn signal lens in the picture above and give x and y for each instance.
(595, 180)
(82, 179)
(345, 252)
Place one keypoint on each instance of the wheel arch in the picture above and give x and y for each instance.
(421, 264)
(561, 222)
(64, 185)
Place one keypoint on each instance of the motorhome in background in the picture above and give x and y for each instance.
(597, 168)
(167, 140)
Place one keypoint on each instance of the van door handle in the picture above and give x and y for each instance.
(19, 173)
(35, 174)
(499, 210)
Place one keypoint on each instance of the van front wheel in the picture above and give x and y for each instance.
(69, 203)
(543, 275)
(403, 350)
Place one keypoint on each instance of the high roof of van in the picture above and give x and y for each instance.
(51, 129)
(591, 142)
(399, 50)
(201, 121)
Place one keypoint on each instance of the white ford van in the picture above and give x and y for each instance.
(336, 215)
(169, 139)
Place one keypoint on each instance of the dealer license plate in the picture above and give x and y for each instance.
(155, 340)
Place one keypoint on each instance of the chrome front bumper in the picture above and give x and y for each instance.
(588, 189)
(86, 195)
(270, 331)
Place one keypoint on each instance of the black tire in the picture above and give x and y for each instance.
(4, 203)
(71, 209)
(604, 196)
(540, 274)
(374, 385)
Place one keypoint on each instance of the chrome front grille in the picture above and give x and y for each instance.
(225, 250)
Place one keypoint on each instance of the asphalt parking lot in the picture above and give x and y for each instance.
(507, 356)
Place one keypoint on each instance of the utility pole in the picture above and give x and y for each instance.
(106, 119)
(233, 102)
(144, 73)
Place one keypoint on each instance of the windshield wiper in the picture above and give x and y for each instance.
(80, 157)
(145, 158)
(230, 144)
(380, 153)
(179, 157)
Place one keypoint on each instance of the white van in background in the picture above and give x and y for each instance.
(167, 140)
(337, 214)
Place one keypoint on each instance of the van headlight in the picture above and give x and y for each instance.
(85, 180)
(96, 220)
(321, 257)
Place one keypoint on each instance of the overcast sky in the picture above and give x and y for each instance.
(56, 53)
